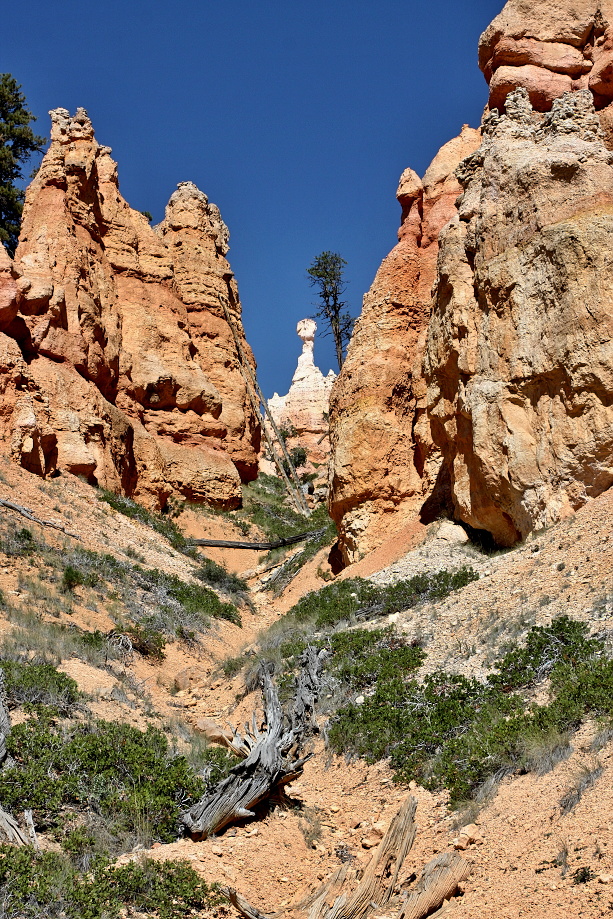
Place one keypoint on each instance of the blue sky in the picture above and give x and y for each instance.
(296, 118)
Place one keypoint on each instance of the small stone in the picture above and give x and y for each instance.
(369, 842)
(215, 850)
(469, 835)
(156, 845)
(334, 809)
(605, 878)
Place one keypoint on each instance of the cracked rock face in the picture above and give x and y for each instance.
(519, 354)
(120, 364)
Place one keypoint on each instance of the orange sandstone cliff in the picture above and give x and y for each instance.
(118, 362)
(488, 398)
(376, 472)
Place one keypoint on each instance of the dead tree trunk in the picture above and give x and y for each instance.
(272, 760)
(346, 895)
(29, 515)
(438, 882)
(8, 825)
(5, 719)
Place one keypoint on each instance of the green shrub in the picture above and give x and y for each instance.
(335, 602)
(298, 456)
(452, 732)
(127, 776)
(18, 543)
(147, 640)
(216, 575)
(161, 524)
(233, 665)
(195, 601)
(356, 597)
(46, 884)
(39, 684)
(71, 578)
(426, 587)
(264, 504)
(361, 658)
(565, 641)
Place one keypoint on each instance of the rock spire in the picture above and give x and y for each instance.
(119, 364)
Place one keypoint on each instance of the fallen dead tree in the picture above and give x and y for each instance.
(349, 894)
(30, 515)
(272, 756)
(233, 544)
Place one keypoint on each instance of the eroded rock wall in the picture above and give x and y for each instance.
(119, 361)
(551, 47)
(377, 476)
(519, 354)
(490, 401)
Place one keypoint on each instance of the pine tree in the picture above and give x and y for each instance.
(17, 144)
(326, 273)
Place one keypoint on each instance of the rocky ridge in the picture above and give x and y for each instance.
(519, 356)
(118, 361)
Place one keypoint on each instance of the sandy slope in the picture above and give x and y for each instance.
(566, 569)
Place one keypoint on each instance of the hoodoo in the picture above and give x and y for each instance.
(118, 361)
(303, 412)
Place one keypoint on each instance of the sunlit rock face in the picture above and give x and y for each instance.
(519, 353)
(303, 412)
(378, 478)
(479, 380)
(120, 363)
(551, 47)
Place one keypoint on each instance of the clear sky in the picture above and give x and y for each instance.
(295, 117)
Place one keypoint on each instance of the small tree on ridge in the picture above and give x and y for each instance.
(326, 273)
(17, 144)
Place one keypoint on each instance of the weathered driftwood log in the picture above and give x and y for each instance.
(439, 881)
(233, 544)
(11, 829)
(29, 822)
(347, 895)
(272, 759)
(8, 825)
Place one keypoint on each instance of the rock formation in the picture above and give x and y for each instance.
(550, 48)
(376, 474)
(519, 356)
(119, 363)
(491, 400)
(304, 410)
